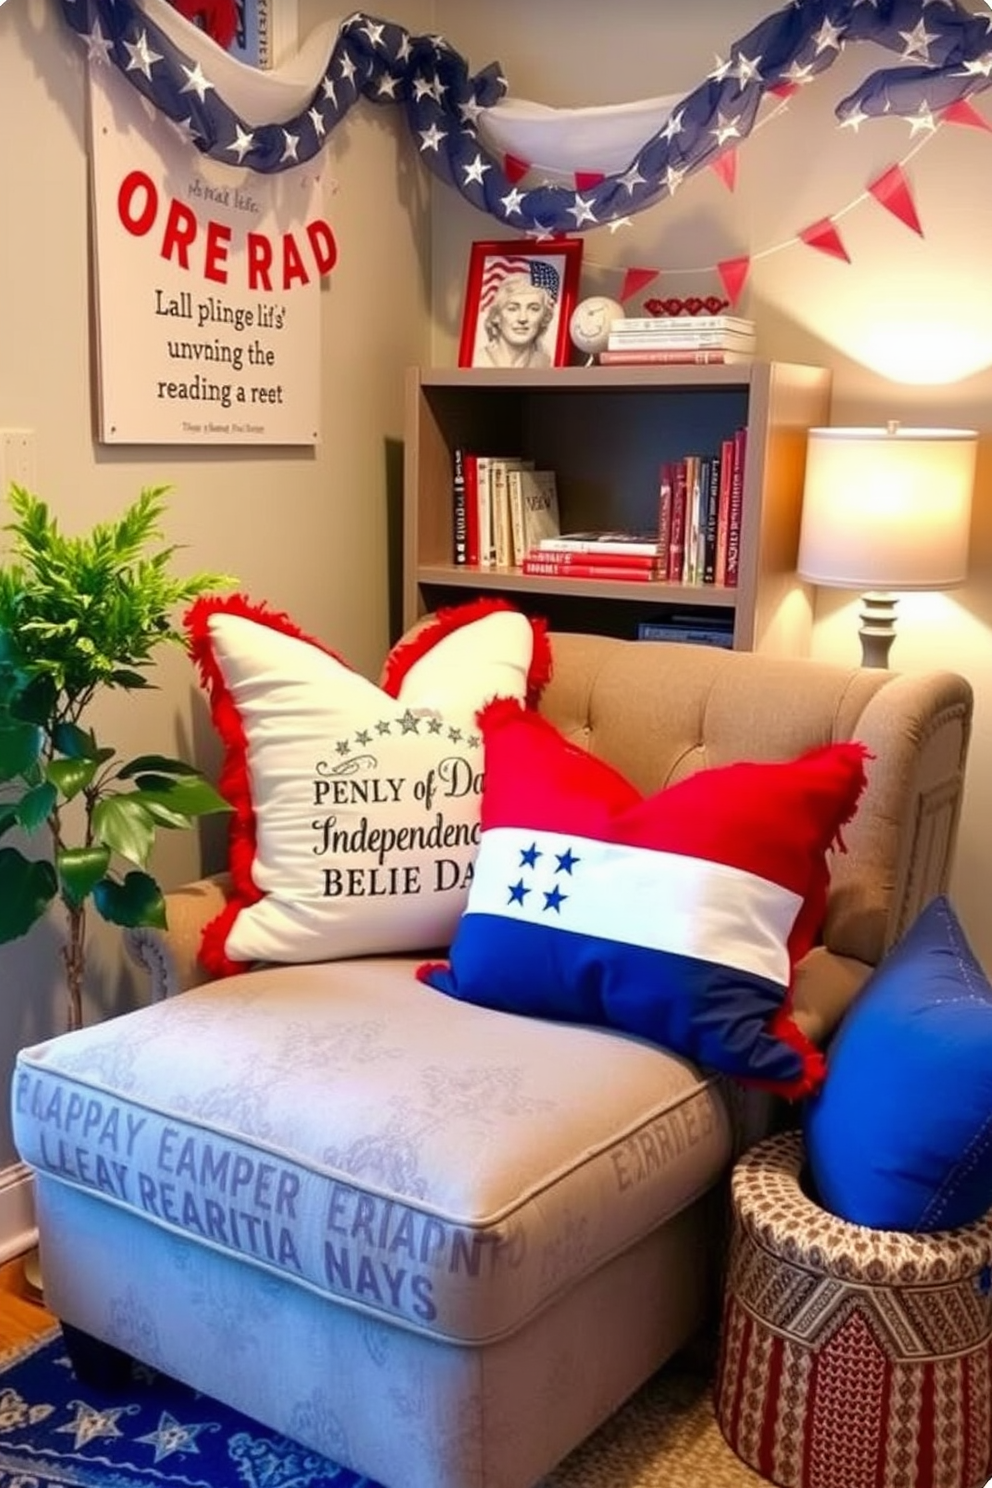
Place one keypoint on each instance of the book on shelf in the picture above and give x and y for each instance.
(601, 542)
(668, 356)
(700, 498)
(682, 325)
(564, 559)
(689, 340)
(459, 503)
(470, 462)
(533, 508)
(699, 633)
(736, 508)
(549, 568)
(500, 467)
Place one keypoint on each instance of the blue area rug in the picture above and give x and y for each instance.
(57, 1433)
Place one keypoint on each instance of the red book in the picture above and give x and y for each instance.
(665, 485)
(676, 541)
(563, 559)
(470, 468)
(548, 568)
(723, 508)
(736, 506)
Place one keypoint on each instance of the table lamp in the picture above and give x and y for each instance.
(884, 510)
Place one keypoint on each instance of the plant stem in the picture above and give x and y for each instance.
(73, 959)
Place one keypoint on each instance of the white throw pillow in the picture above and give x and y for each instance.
(356, 807)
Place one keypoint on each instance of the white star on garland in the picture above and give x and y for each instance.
(943, 56)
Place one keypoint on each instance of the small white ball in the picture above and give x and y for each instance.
(589, 326)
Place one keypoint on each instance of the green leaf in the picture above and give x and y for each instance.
(26, 890)
(8, 818)
(123, 823)
(160, 762)
(35, 701)
(136, 901)
(192, 795)
(20, 746)
(81, 869)
(35, 807)
(131, 681)
(74, 742)
(70, 776)
(164, 817)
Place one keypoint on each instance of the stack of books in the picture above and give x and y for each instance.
(502, 507)
(676, 340)
(635, 557)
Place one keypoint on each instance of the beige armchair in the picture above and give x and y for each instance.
(436, 1243)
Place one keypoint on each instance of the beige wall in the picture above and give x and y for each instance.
(906, 327)
(305, 530)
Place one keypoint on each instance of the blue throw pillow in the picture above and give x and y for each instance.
(899, 1137)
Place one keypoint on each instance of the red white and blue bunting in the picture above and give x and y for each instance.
(944, 55)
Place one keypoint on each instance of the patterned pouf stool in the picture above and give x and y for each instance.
(851, 1357)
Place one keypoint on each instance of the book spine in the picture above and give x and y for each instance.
(649, 630)
(736, 507)
(723, 509)
(515, 500)
(676, 541)
(664, 514)
(487, 555)
(712, 464)
(690, 565)
(684, 341)
(563, 559)
(565, 544)
(458, 498)
(471, 510)
(500, 504)
(684, 324)
(539, 490)
(549, 569)
(665, 356)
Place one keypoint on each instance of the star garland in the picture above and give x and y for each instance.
(945, 55)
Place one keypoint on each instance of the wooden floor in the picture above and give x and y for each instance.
(22, 1315)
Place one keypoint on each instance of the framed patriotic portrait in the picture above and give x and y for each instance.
(518, 302)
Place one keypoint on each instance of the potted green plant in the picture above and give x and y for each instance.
(78, 615)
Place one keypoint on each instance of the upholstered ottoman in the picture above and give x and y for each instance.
(435, 1243)
(851, 1357)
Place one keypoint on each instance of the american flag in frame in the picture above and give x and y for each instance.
(518, 302)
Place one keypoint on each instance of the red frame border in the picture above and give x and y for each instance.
(570, 249)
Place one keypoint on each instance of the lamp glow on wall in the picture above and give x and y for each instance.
(886, 510)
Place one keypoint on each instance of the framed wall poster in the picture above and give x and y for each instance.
(518, 302)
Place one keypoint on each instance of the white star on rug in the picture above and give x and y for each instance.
(89, 1424)
(171, 1436)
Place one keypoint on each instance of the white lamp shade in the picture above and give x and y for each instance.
(887, 508)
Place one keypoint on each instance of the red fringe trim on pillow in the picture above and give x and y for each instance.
(445, 622)
(424, 970)
(212, 954)
(234, 784)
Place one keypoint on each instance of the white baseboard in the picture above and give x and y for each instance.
(18, 1231)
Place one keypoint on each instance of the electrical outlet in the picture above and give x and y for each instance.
(17, 459)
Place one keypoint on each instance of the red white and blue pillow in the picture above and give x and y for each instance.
(355, 807)
(677, 917)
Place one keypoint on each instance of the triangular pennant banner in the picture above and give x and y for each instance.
(515, 168)
(784, 90)
(586, 180)
(725, 166)
(891, 190)
(636, 279)
(734, 272)
(963, 112)
(824, 235)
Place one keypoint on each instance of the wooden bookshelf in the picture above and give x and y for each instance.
(606, 431)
